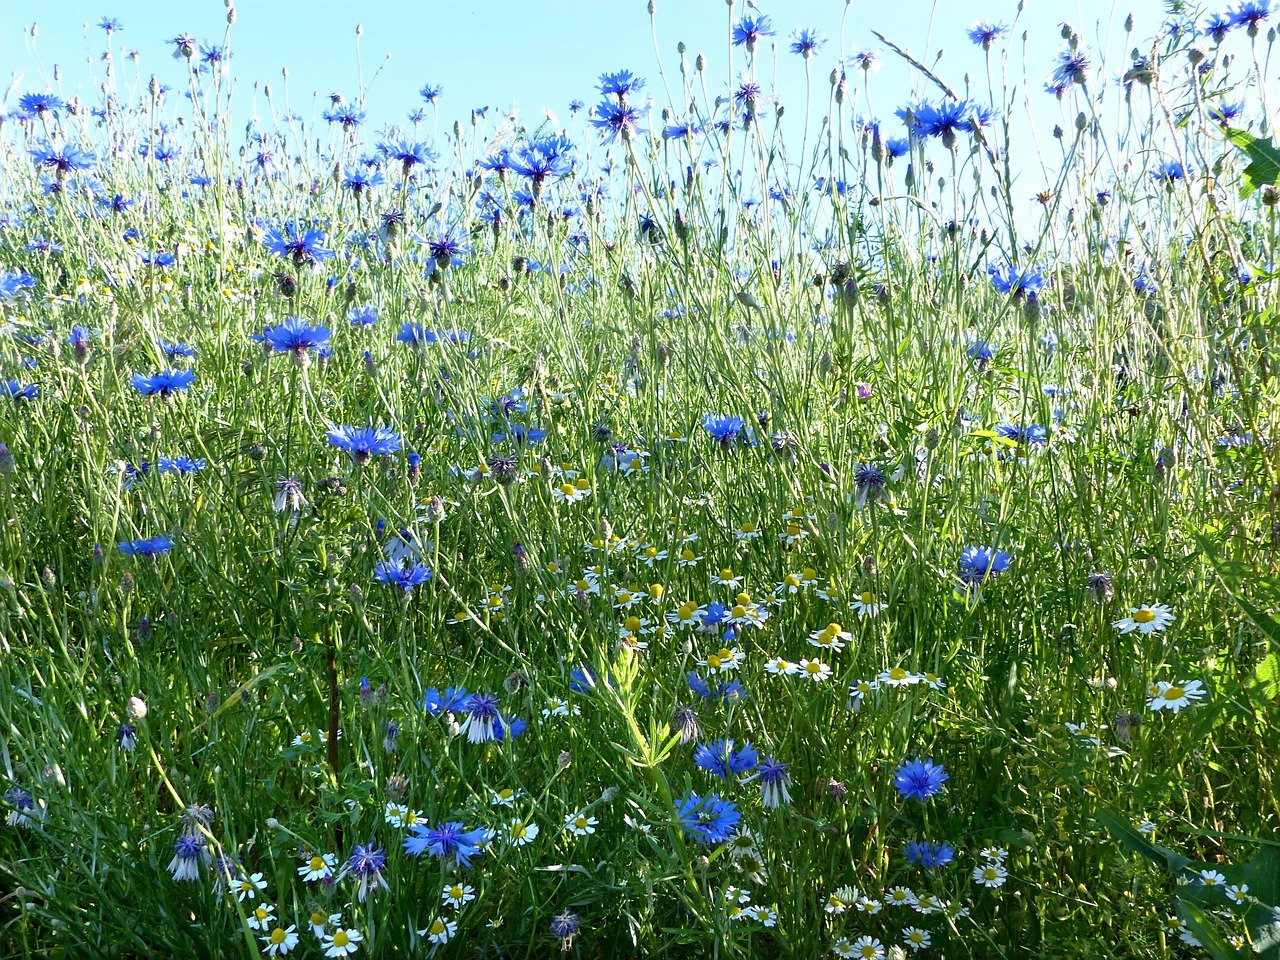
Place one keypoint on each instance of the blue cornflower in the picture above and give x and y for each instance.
(944, 119)
(748, 31)
(430, 93)
(621, 84)
(364, 442)
(615, 120)
(150, 547)
(979, 563)
(897, 147)
(445, 840)
(363, 316)
(707, 819)
(408, 154)
(1168, 173)
(296, 336)
(868, 482)
(720, 759)
(110, 24)
(365, 864)
(361, 182)
(547, 158)
(512, 727)
(1029, 433)
(188, 853)
(982, 351)
(349, 117)
(12, 284)
(211, 55)
(774, 778)
(447, 249)
(304, 246)
(127, 736)
(805, 42)
(451, 700)
(16, 391)
(41, 103)
(482, 717)
(1225, 113)
(985, 33)
(165, 383)
(1073, 67)
(582, 680)
(1250, 14)
(931, 856)
(406, 576)
(1007, 279)
(63, 160)
(919, 779)
(175, 350)
(157, 259)
(723, 429)
(183, 466)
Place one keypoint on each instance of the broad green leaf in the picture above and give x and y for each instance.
(1133, 841)
(1264, 160)
(1210, 939)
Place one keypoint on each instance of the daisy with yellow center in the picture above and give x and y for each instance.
(458, 895)
(1149, 618)
(320, 866)
(866, 604)
(815, 670)
(440, 931)
(342, 943)
(1175, 696)
(280, 940)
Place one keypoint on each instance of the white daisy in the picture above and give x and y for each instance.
(342, 943)
(1171, 696)
(280, 941)
(990, 874)
(521, 832)
(261, 917)
(579, 824)
(440, 930)
(866, 604)
(1151, 618)
(457, 895)
(815, 670)
(319, 866)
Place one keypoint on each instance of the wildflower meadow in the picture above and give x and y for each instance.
(686, 524)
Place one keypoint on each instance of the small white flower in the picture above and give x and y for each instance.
(341, 943)
(280, 941)
(521, 832)
(579, 824)
(458, 895)
(1175, 696)
(320, 866)
(261, 917)
(440, 931)
(990, 875)
(1150, 618)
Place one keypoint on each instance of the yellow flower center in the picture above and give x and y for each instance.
(455, 892)
(261, 914)
(834, 629)
(580, 822)
(726, 573)
(278, 936)
(651, 552)
(739, 611)
(583, 484)
(518, 831)
(340, 938)
(748, 528)
(687, 555)
(814, 666)
(624, 597)
(566, 489)
(1144, 615)
(868, 598)
(437, 927)
(793, 529)
(792, 580)
(632, 624)
(317, 919)
(713, 661)
(506, 793)
(583, 585)
(656, 590)
(1174, 693)
(317, 863)
(726, 654)
(897, 673)
(410, 818)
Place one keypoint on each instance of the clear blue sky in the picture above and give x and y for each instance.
(502, 53)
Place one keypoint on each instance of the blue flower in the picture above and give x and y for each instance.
(349, 117)
(582, 680)
(945, 119)
(919, 779)
(982, 351)
(978, 563)
(174, 350)
(723, 429)
(1217, 25)
(165, 383)
(1007, 279)
(65, 159)
(482, 717)
(1251, 13)
(16, 391)
(512, 727)
(296, 336)
(985, 33)
(445, 840)
(365, 864)
(430, 93)
(615, 120)
(720, 759)
(184, 466)
(364, 442)
(149, 547)
(621, 84)
(774, 778)
(1168, 172)
(805, 42)
(547, 158)
(363, 316)
(408, 154)
(931, 856)
(406, 576)
(748, 31)
(897, 147)
(1226, 113)
(707, 819)
(304, 246)
(451, 700)
(40, 103)
(12, 284)
(1030, 433)
(1073, 67)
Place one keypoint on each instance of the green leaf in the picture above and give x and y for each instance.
(1264, 160)
(1207, 933)
(1266, 679)
(1134, 842)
